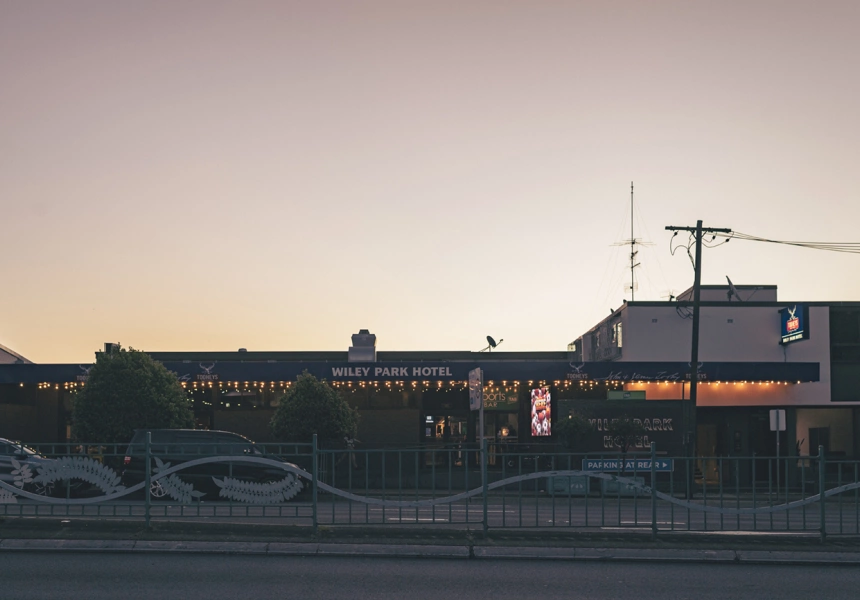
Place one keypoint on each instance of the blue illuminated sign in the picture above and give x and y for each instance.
(794, 324)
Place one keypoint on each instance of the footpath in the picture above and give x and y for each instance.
(94, 536)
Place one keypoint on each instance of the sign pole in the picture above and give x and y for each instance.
(476, 402)
(777, 453)
(481, 417)
(777, 424)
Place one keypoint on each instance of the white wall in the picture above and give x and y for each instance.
(752, 336)
(838, 420)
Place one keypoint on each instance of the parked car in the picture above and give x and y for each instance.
(212, 480)
(21, 474)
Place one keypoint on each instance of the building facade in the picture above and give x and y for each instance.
(747, 325)
(422, 398)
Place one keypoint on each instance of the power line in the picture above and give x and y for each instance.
(848, 247)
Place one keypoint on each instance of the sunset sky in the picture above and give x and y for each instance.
(205, 175)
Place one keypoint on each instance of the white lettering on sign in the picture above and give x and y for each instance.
(648, 424)
(613, 442)
(431, 371)
(350, 371)
(391, 372)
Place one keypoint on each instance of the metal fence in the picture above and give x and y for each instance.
(455, 487)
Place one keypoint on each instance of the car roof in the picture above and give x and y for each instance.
(191, 431)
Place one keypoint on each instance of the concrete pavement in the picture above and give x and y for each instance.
(94, 536)
(670, 555)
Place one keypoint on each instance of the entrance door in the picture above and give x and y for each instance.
(707, 465)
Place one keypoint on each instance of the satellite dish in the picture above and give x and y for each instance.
(733, 291)
(492, 343)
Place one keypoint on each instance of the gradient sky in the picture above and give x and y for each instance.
(204, 175)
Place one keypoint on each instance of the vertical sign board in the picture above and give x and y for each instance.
(777, 420)
(794, 324)
(476, 389)
(476, 399)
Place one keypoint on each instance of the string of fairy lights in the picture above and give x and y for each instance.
(424, 386)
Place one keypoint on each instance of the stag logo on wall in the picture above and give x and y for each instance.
(577, 373)
(86, 376)
(207, 375)
(700, 375)
(792, 324)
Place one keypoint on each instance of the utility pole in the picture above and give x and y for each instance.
(690, 428)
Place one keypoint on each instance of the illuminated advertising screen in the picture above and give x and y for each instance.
(541, 422)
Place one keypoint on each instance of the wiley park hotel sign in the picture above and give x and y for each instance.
(391, 372)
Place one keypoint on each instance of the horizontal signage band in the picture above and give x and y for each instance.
(493, 371)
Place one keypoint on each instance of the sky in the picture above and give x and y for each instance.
(276, 175)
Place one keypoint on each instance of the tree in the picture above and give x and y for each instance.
(128, 390)
(626, 432)
(312, 406)
(574, 431)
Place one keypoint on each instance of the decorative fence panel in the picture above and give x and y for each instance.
(455, 487)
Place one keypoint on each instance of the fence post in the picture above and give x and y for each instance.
(653, 491)
(315, 470)
(821, 469)
(484, 480)
(147, 478)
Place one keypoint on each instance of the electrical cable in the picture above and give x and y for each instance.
(848, 247)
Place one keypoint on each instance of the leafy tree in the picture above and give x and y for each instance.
(128, 390)
(574, 431)
(626, 432)
(312, 407)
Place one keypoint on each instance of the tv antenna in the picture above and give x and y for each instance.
(491, 344)
(633, 241)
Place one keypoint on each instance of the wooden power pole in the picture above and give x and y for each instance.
(690, 425)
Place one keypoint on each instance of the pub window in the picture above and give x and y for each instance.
(616, 334)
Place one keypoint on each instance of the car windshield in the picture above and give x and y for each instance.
(17, 448)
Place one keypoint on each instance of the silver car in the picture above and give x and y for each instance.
(18, 467)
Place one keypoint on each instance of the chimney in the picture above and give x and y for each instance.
(363, 347)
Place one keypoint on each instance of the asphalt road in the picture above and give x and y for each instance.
(46, 576)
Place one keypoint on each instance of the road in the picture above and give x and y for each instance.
(45, 576)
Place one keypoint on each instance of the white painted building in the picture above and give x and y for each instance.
(746, 327)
